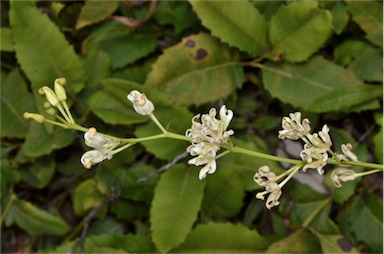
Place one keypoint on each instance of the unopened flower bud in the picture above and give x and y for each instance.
(60, 90)
(50, 95)
(37, 117)
(141, 104)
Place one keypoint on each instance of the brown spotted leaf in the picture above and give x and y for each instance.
(199, 69)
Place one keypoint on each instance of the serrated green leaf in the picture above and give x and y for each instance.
(224, 193)
(129, 210)
(340, 16)
(364, 220)
(40, 173)
(175, 13)
(41, 49)
(177, 200)
(300, 84)
(95, 11)
(197, 70)
(97, 67)
(125, 182)
(111, 110)
(9, 175)
(299, 29)
(300, 241)
(369, 16)
(108, 226)
(223, 238)
(38, 142)
(122, 45)
(342, 99)
(237, 23)
(37, 221)
(347, 51)
(333, 243)
(127, 243)
(368, 65)
(87, 196)
(6, 39)
(14, 89)
(136, 72)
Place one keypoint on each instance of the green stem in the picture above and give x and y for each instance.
(357, 163)
(294, 170)
(60, 108)
(316, 212)
(154, 119)
(74, 232)
(68, 112)
(240, 150)
(368, 172)
(56, 123)
(8, 207)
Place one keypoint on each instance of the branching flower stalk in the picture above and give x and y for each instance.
(209, 134)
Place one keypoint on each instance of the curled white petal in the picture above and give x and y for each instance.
(141, 103)
(91, 158)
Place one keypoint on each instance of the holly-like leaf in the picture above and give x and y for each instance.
(223, 238)
(42, 50)
(237, 23)
(14, 89)
(177, 200)
(37, 221)
(95, 11)
(343, 99)
(197, 70)
(369, 16)
(299, 29)
(301, 84)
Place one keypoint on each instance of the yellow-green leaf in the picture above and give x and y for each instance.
(95, 11)
(199, 69)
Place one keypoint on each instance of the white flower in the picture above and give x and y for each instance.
(293, 128)
(141, 104)
(103, 148)
(342, 174)
(264, 176)
(207, 137)
(93, 157)
(347, 150)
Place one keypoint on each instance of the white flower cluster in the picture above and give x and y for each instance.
(316, 146)
(103, 148)
(264, 177)
(207, 138)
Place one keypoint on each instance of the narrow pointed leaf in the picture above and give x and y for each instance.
(41, 49)
(197, 70)
(299, 29)
(237, 23)
(37, 221)
(334, 243)
(177, 200)
(95, 11)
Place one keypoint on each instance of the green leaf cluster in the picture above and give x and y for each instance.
(262, 59)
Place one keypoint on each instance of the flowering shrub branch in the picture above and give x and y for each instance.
(208, 134)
